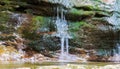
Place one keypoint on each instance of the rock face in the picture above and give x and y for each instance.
(47, 8)
(95, 32)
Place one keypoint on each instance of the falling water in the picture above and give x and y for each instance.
(62, 32)
(66, 3)
(116, 57)
(62, 29)
(115, 20)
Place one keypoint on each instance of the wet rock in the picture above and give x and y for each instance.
(98, 58)
(9, 53)
(81, 50)
(9, 43)
(46, 53)
(39, 57)
(18, 43)
(36, 58)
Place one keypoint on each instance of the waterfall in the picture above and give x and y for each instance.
(66, 3)
(116, 54)
(115, 21)
(62, 32)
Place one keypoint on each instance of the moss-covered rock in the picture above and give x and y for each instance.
(46, 8)
(81, 12)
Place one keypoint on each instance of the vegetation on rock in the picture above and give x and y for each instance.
(87, 25)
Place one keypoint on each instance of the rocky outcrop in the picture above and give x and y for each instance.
(92, 34)
(47, 8)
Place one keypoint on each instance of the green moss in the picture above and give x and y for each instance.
(77, 25)
(89, 25)
(4, 17)
(7, 5)
(81, 12)
(102, 13)
(38, 20)
(2, 27)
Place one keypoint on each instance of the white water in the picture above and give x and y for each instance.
(115, 20)
(116, 55)
(63, 34)
(66, 3)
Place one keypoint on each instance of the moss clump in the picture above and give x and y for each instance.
(77, 25)
(81, 12)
